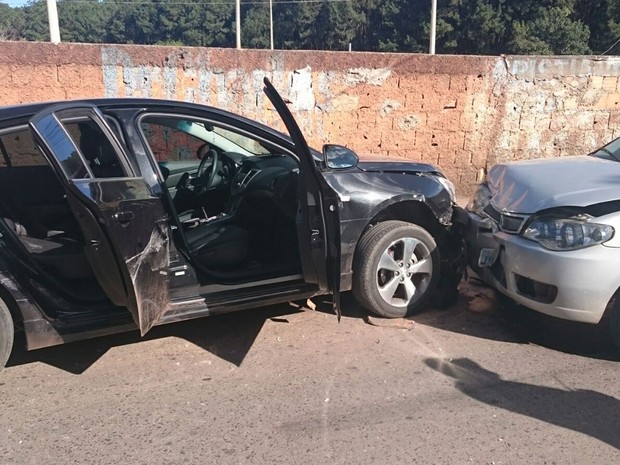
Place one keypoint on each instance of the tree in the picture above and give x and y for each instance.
(473, 26)
(299, 20)
(36, 26)
(255, 31)
(11, 22)
(133, 23)
(553, 32)
(337, 23)
(595, 15)
(392, 25)
(83, 22)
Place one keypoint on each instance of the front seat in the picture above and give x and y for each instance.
(218, 244)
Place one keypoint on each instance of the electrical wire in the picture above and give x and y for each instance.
(164, 2)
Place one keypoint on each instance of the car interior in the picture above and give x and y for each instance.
(233, 200)
(235, 197)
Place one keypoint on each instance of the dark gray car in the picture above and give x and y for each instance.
(127, 213)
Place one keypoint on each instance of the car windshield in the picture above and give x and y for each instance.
(610, 151)
(228, 141)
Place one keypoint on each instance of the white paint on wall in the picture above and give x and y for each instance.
(301, 90)
(374, 77)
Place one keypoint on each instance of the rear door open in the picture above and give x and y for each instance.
(124, 224)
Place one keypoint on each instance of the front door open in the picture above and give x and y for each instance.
(319, 225)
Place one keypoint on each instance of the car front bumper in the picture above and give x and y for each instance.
(573, 285)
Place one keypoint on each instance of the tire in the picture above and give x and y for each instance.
(7, 334)
(384, 280)
(614, 324)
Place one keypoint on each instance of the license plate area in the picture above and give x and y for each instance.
(487, 257)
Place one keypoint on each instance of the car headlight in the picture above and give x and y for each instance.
(567, 233)
(481, 198)
(447, 185)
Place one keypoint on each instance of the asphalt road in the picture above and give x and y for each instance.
(283, 386)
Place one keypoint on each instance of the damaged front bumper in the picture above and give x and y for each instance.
(453, 259)
(574, 285)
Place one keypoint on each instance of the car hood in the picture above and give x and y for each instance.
(396, 166)
(534, 185)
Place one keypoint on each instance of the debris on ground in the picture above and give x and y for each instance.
(480, 297)
(398, 323)
(303, 306)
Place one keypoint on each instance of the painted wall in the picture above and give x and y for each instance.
(462, 113)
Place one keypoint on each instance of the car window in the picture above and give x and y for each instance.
(19, 149)
(610, 151)
(179, 139)
(97, 151)
(168, 143)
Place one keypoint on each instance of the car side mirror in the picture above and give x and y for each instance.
(338, 157)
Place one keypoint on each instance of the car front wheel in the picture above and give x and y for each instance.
(396, 269)
(6, 334)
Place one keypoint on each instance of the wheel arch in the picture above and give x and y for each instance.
(10, 299)
(611, 317)
(410, 211)
(26, 314)
(407, 210)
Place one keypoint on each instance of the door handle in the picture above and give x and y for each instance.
(123, 217)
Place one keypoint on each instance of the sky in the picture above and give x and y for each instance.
(14, 2)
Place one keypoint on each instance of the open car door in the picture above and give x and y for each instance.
(318, 226)
(124, 225)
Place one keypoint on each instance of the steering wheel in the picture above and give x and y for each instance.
(205, 176)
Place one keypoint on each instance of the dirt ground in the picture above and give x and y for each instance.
(479, 382)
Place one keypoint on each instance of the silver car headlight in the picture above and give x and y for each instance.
(567, 233)
(480, 200)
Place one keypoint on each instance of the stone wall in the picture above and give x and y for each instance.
(462, 113)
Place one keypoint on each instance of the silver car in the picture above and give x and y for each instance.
(546, 233)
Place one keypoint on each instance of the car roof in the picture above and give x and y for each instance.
(27, 110)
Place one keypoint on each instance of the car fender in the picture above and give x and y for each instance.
(367, 198)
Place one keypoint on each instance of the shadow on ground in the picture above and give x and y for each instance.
(231, 336)
(481, 312)
(589, 412)
(228, 336)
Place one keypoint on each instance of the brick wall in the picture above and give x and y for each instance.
(463, 113)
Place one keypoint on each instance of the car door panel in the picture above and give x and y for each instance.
(319, 222)
(124, 225)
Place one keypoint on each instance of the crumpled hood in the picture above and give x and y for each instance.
(396, 166)
(534, 185)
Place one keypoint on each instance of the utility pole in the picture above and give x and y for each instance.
(52, 16)
(237, 21)
(431, 48)
(271, 23)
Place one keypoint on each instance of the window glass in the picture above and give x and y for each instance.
(19, 149)
(177, 139)
(170, 144)
(96, 149)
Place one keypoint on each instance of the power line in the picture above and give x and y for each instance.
(197, 2)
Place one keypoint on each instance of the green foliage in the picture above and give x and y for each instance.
(463, 26)
(255, 31)
(594, 14)
(551, 33)
(11, 23)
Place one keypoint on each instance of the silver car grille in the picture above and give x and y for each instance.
(509, 223)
